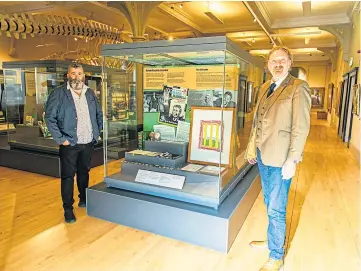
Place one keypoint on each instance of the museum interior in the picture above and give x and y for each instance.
(178, 83)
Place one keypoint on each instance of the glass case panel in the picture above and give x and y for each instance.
(27, 87)
(119, 109)
(194, 128)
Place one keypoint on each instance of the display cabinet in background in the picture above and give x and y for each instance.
(190, 152)
(27, 86)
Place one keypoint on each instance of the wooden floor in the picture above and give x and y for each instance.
(323, 224)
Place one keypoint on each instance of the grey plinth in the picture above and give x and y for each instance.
(191, 223)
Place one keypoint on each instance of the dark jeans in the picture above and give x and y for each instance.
(74, 159)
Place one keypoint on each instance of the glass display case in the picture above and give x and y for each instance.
(27, 85)
(194, 134)
(3, 124)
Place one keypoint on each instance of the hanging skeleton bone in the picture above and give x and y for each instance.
(19, 26)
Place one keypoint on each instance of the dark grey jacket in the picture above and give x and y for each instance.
(61, 117)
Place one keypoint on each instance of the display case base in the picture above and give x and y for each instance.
(191, 223)
(39, 162)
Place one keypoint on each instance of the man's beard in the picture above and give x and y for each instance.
(76, 84)
(278, 72)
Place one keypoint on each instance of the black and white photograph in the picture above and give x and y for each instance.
(176, 112)
(200, 98)
(153, 101)
(224, 99)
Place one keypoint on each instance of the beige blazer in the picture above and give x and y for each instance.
(285, 123)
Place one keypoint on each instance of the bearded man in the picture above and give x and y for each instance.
(75, 120)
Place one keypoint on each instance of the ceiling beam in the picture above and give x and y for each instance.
(353, 6)
(181, 17)
(158, 30)
(37, 7)
(259, 11)
(333, 19)
(306, 6)
(231, 29)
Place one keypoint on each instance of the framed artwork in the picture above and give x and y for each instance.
(338, 98)
(211, 136)
(317, 97)
(330, 96)
(356, 99)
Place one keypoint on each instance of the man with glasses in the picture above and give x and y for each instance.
(75, 120)
(280, 128)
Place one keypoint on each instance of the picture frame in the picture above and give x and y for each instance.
(210, 131)
(356, 99)
(317, 97)
(330, 97)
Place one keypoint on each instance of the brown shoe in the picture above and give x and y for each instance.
(259, 244)
(272, 265)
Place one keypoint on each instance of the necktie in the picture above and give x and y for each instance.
(271, 89)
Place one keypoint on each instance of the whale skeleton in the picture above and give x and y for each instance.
(20, 25)
(23, 24)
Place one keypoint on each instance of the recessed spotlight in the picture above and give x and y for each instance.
(170, 38)
(180, 5)
(75, 38)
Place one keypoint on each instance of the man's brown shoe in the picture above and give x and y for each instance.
(272, 265)
(259, 244)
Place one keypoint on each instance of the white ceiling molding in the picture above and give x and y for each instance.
(332, 54)
(354, 6)
(265, 13)
(331, 19)
(343, 34)
(183, 18)
(306, 6)
(253, 8)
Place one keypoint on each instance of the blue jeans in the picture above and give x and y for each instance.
(275, 192)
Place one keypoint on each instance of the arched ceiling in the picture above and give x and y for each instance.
(254, 26)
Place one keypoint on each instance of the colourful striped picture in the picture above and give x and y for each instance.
(210, 135)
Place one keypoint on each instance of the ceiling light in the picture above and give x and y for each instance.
(253, 40)
(254, 20)
(180, 5)
(170, 38)
(75, 38)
